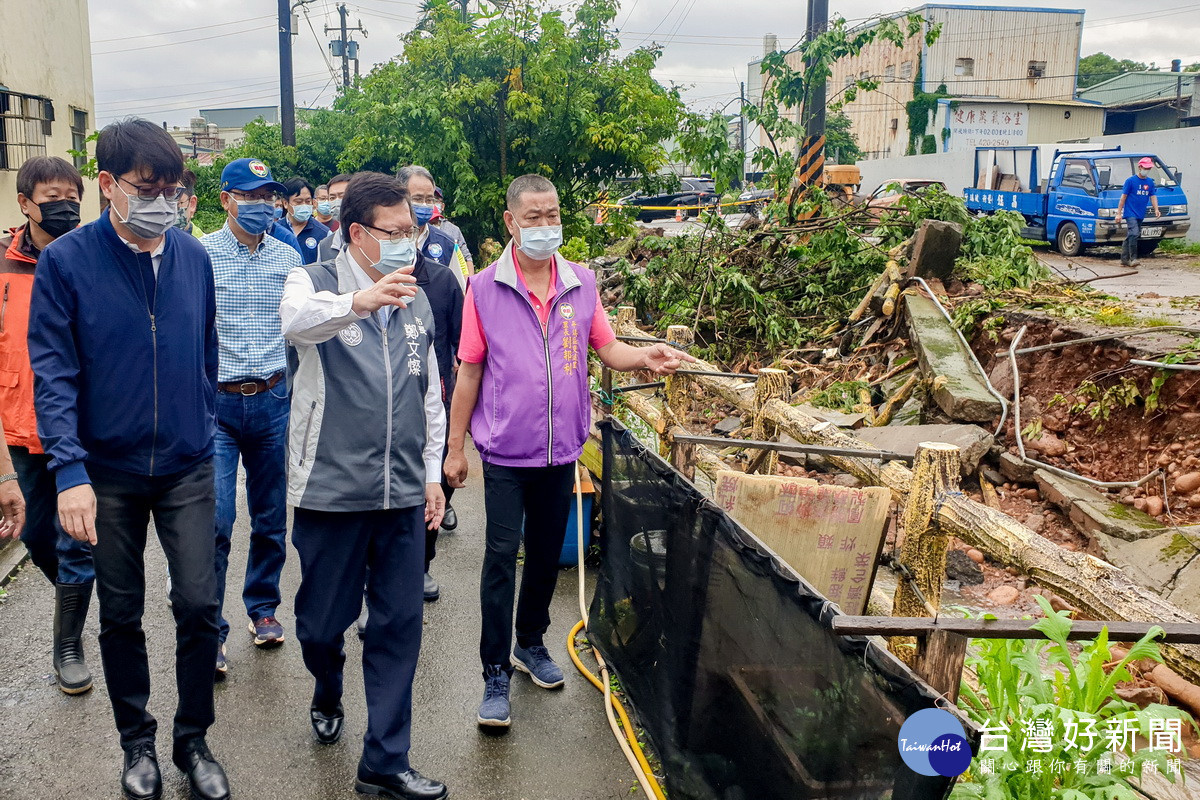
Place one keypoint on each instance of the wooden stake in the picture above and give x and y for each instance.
(990, 498)
(941, 662)
(772, 384)
(935, 472)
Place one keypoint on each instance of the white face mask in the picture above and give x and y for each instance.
(541, 242)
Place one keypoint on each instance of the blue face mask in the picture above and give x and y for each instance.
(394, 255)
(423, 212)
(254, 218)
(302, 213)
(278, 212)
(325, 208)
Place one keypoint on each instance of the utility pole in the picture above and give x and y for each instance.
(287, 92)
(811, 160)
(342, 47)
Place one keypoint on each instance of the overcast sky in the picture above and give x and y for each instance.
(165, 59)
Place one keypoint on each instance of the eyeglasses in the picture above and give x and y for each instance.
(252, 198)
(394, 236)
(171, 193)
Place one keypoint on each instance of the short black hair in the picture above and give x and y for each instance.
(526, 184)
(135, 144)
(341, 177)
(294, 186)
(188, 180)
(366, 194)
(44, 169)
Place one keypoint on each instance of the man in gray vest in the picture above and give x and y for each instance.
(364, 472)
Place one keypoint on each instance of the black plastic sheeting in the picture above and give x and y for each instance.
(728, 656)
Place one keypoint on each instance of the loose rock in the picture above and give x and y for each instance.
(1154, 506)
(1003, 595)
(1187, 483)
(975, 555)
(961, 567)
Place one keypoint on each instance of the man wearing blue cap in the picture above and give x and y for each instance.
(249, 269)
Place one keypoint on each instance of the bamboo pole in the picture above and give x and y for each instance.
(935, 472)
(681, 336)
(772, 384)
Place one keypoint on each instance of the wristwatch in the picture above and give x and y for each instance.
(8, 476)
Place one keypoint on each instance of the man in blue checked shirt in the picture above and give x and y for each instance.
(249, 268)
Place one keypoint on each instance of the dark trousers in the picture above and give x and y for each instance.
(182, 506)
(339, 553)
(254, 428)
(60, 558)
(541, 498)
(1129, 248)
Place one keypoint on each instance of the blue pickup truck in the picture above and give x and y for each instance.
(1075, 205)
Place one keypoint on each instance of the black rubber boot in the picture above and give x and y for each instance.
(71, 603)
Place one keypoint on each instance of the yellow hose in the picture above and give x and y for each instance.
(629, 746)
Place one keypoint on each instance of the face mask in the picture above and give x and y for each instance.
(181, 220)
(394, 255)
(423, 212)
(1143, 172)
(278, 212)
(539, 243)
(254, 218)
(59, 217)
(302, 213)
(148, 219)
(325, 208)
(335, 208)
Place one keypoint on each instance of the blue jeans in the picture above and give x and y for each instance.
(254, 427)
(60, 558)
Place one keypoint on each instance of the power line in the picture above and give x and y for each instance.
(184, 30)
(255, 95)
(176, 44)
(205, 93)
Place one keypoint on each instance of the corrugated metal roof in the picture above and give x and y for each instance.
(1138, 88)
(1032, 102)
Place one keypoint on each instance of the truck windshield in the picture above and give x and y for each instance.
(1113, 172)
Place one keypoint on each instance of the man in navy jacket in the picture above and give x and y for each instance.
(123, 345)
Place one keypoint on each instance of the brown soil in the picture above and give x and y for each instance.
(1132, 441)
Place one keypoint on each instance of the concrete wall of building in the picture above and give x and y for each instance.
(45, 49)
(1178, 148)
(1001, 44)
(1049, 123)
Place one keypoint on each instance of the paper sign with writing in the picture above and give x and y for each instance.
(829, 534)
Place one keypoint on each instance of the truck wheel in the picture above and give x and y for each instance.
(1147, 246)
(1067, 240)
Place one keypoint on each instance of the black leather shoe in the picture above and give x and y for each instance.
(327, 725)
(205, 776)
(140, 778)
(409, 785)
(449, 520)
(432, 590)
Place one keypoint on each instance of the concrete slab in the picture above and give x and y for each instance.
(935, 248)
(959, 389)
(838, 418)
(1156, 563)
(972, 441)
(1094, 512)
(1013, 468)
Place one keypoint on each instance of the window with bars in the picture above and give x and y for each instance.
(906, 70)
(889, 73)
(79, 134)
(25, 122)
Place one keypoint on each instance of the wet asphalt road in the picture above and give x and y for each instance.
(55, 746)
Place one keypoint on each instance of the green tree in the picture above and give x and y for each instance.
(509, 92)
(841, 145)
(1099, 67)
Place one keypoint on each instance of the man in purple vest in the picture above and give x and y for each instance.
(522, 389)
